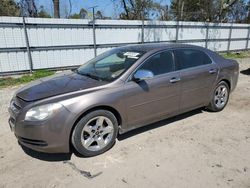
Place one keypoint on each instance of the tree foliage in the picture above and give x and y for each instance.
(99, 15)
(184, 10)
(81, 15)
(22, 8)
(209, 10)
(137, 9)
(247, 19)
(9, 8)
(28, 8)
(42, 13)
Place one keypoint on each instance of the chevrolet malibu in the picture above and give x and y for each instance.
(119, 90)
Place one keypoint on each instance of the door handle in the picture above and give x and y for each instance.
(174, 80)
(212, 71)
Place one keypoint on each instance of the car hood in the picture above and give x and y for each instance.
(61, 83)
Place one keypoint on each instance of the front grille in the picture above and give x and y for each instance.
(14, 107)
(32, 142)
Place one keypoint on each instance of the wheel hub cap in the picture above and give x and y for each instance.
(97, 133)
(221, 96)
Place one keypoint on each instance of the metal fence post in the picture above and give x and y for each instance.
(93, 27)
(229, 38)
(206, 40)
(177, 31)
(248, 33)
(142, 31)
(27, 45)
(94, 38)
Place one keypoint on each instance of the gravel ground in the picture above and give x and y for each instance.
(197, 149)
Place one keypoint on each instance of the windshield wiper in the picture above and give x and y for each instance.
(88, 75)
(91, 76)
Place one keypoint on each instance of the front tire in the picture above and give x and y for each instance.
(95, 133)
(220, 97)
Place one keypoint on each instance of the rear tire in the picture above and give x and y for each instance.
(220, 97)
(95, 133)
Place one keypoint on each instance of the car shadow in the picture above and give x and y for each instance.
(245, 72)
(50, 157)
(158, 124)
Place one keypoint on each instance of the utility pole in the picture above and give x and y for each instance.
(93, 24)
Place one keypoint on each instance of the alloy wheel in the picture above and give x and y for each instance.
(221, 96)
(97, 133)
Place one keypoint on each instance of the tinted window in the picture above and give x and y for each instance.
(160, 63)
(187, 58)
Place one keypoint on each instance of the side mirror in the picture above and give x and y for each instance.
(142, 75)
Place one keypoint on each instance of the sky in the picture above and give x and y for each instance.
(106, 6)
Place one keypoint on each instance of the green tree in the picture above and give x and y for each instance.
(28, 7)
(81, 15)
(137, 9)
(99, 15)
(9, 8)
(247, 19)
(206, 10)
(164, 13)
(42, 13)
(75, 16)
(238, 12)
(192, 10)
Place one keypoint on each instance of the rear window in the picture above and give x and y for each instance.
(187, 58)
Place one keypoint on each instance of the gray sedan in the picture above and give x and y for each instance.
(119, 90)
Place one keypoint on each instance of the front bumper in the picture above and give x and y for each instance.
(50, 136)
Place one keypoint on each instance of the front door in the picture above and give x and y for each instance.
(153, 99)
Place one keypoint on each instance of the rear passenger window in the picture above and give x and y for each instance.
(187, 58)
(160, 63)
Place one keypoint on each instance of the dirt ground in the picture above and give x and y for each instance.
(197, 149)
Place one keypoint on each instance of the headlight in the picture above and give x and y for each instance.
(42, 112)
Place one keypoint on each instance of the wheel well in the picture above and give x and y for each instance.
(108, 108)
(228, 83)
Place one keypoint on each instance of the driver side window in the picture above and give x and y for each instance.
(160, 63)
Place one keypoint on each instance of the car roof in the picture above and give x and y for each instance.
(146, 47)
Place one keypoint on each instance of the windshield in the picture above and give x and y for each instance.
(109, 65)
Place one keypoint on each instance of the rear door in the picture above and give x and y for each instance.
(198, 74)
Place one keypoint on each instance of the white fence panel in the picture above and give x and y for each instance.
(191, 33)
(159, 34)
(218, 45)
(239, 33)
(120, 35)
(14, 61)
(235, 45)
(217, 33)
(56, 43)
(61, 58)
